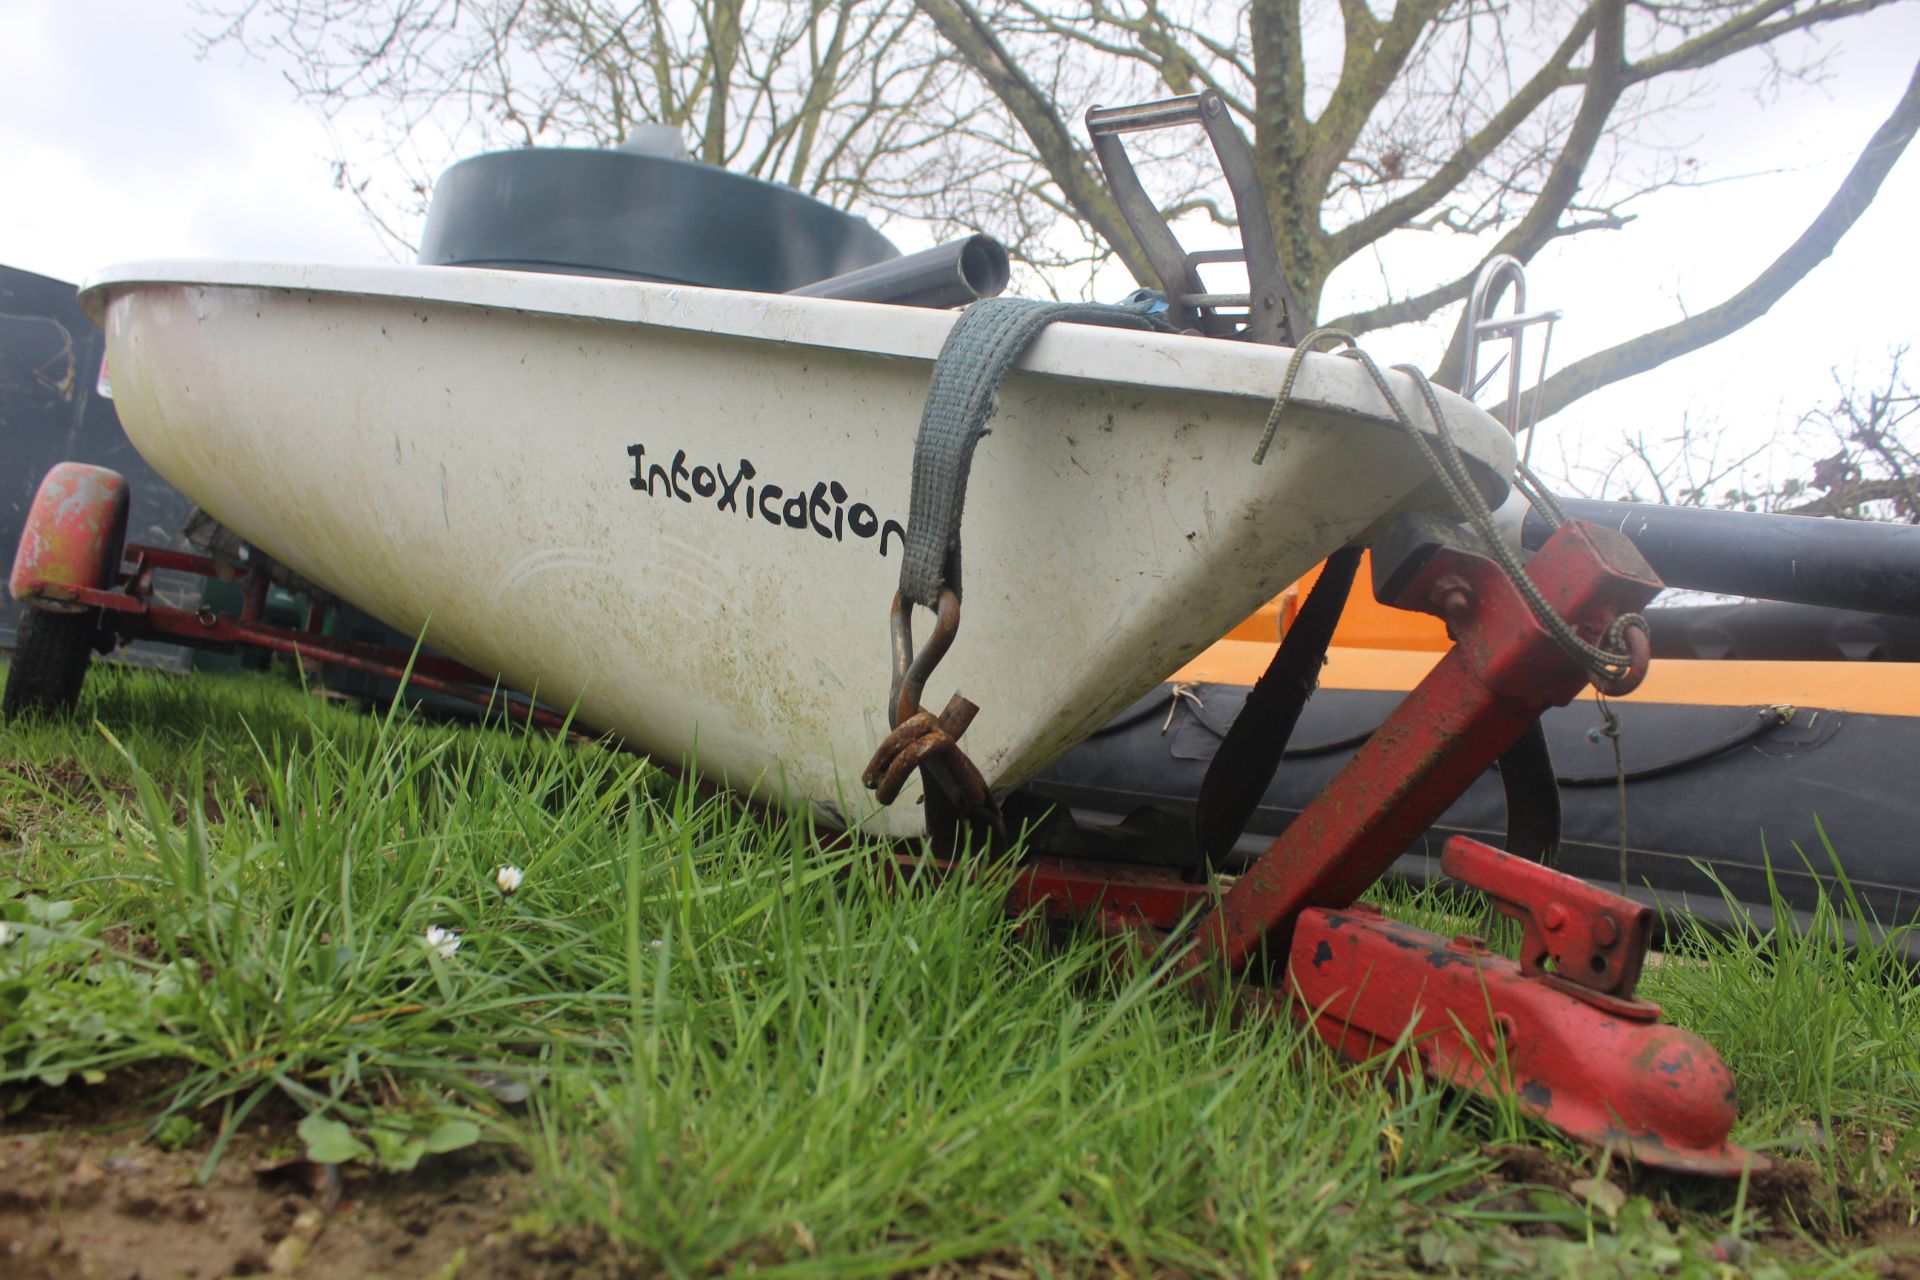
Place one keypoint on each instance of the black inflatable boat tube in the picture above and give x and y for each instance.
(1749, 798)
(1840, 564)
(949, 275)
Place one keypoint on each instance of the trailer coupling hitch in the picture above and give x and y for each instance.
(1583, 940)
(1560, 1033)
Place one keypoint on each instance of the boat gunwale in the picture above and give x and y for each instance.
(1328, 384)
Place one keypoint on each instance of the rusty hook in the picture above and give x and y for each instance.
(916, 753)
(918, 740)
(923, 739)
(910, 670)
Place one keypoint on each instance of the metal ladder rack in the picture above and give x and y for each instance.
(1483, 326)
(1268, 312)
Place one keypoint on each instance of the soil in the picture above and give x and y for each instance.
(1884, 1234)
(82, 1195)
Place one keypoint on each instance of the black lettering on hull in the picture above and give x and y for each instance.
(821, 507)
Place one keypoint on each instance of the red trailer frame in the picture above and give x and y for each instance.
(71, 562)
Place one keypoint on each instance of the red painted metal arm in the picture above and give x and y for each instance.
(1505, 668)
(136, 615)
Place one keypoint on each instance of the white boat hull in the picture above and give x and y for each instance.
(679, 510)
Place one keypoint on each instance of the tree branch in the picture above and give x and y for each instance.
(1053, 143)
(1372, 60)
(1283, 144)
(1845, 497)
(1849, 201)
(1421, 306)
(1606, 81)
(1356, 236)
(1745, 31)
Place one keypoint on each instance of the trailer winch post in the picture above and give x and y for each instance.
(1560, 1033)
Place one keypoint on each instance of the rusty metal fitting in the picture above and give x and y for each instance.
(966, 787)
(920, 740)
(1628, 635)
(911, 757)
(924, 740)
(910, 730)
(910, 669)
(1452, 595)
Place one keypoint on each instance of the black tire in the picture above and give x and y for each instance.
(50, 656)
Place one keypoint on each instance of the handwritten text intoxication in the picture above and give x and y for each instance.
(822, 508)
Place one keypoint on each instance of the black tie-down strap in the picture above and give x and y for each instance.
(1249, 755)
(1533, 797)
(982, 346)
(1256, 742)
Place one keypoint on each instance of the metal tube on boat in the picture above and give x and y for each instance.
(1842, 564)
(949, 275)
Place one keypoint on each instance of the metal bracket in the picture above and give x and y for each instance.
(1584, 941)
(1271, 314)
(1482, 326)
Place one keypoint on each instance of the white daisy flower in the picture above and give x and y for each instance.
(508, 878)
(443, 941)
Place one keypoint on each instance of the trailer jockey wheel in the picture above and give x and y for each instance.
(70, 545)
(49, 662)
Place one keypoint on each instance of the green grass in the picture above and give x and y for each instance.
(719, 1040)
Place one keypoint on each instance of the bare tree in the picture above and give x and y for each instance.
(834, 97)
(1873, 472)
(1856, 457)
(1519, 124)
(1515, 125)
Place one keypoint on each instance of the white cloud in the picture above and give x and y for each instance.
(120, 142)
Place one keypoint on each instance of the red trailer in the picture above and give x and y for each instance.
(85, 590)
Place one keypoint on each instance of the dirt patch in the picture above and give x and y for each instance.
(82, 1194)
(85, 1204)
(1883, 1232)
(76, 1205)
(1533, 1166)
(125, 1099)
(65, 782)
(70, 787)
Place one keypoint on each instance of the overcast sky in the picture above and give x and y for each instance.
(117, 141)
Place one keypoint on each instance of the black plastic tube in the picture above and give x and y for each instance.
(1841, 564)
(1770, 631)
(950, 275)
